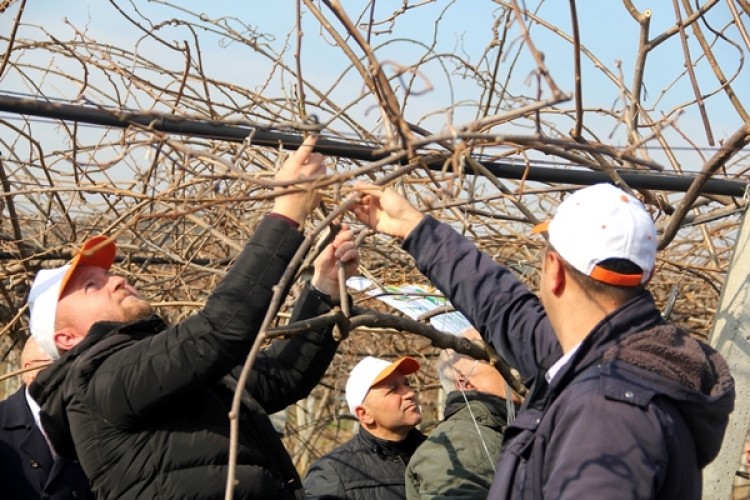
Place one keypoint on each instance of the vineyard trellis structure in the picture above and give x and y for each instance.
(140, 142)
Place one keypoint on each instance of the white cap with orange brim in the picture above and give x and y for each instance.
(49, 285)
(602, 222)
(369, 371)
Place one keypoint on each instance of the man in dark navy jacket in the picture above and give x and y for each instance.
(622, 404)
(28, 468)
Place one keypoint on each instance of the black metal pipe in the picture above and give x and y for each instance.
(211, 129)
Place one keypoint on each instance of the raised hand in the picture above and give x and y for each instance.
(342, 249)
(301, 198)
(384, 210)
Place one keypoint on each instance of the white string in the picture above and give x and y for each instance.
(471, 412)
(510, 408)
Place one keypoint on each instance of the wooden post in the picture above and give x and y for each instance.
(731, 337)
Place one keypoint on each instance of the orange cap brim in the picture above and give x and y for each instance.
(542, 227)
(98, 251)
(405, 365)
(615, 278)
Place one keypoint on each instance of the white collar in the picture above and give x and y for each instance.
(34, 407)
(554, 369)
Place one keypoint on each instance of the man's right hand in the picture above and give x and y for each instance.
(303, 163)
(384, 210)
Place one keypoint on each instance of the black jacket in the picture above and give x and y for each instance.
(26, 465)
(145, 407)
(363, 468)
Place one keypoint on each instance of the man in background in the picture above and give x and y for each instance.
(28, 466)
(458, 458)
(371, 465)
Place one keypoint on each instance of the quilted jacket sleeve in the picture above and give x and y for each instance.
(204, 347)
(453, 463)
(289, 369)
(323, 482)
(503, 309)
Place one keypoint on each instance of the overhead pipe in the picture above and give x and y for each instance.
(212, 129)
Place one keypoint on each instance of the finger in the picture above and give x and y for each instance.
(303, 153)
(361, 213)
(326, 257)
(366, 214)
(345, 234)
(369, 189)
(314, 166)
(362, 186)
(345, 248)
(315, 159)
(349, 256)
(365, 202)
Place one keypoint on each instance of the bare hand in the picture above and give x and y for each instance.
(384, 210)
(303, 163)
(342, 249)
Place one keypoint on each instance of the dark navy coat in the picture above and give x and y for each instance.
(26, 465)
(637, 412)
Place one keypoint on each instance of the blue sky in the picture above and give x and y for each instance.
(465, 31)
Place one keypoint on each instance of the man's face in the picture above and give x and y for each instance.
(93, 294)
(485, 378)
(32, 355)
(393, 404)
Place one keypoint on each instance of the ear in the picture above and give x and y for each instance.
(556, 274)
(66, 339)
(464, 384)
(363, 415)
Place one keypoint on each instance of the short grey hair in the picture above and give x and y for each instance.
(445, 371)
(450, 363)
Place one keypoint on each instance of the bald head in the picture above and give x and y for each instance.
(32, 355)
(459, 371)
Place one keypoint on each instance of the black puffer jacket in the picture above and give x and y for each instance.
(144, 407)
(363, 468)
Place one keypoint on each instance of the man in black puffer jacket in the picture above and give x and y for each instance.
(144, 406)
(372, 464)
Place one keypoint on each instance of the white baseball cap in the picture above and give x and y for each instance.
(49, 285)
(369, 372)
(603, 222)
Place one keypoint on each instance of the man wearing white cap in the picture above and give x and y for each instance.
(622, 405)
(144, 406)
(371, 465)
